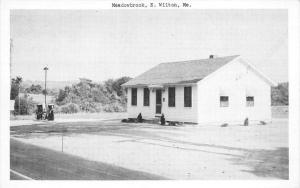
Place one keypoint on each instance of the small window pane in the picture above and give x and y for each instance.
(187, 96)
(171, 92)
(133, 96)
(224, 101)
(250, 101)
(146, 96)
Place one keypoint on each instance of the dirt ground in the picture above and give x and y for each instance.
(75, 116)
(181, 152)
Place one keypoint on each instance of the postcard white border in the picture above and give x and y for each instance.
(294, 89)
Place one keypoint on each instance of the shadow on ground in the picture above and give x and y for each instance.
(266, 163)
(69, 128)
(52, 128)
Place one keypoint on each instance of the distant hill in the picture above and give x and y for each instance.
(50, 84)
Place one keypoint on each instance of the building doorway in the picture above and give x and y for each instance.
(158, 102)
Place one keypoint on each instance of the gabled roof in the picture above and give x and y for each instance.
(179, 72)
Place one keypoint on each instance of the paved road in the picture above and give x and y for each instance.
(44, 164)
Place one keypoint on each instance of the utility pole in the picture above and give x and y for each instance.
(45, 69)
(19, 100)
(10, 54)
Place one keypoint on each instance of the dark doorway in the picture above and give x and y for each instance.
(158, 101)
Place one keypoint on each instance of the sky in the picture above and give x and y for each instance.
(103, 44)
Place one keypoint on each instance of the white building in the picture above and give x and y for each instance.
(214, 90)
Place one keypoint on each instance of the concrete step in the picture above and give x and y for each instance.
(152, 120)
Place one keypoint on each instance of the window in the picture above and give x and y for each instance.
(133, 96)
(249, 101)
(171, 92)
(187, 96)
(146, 96)
(224, 101)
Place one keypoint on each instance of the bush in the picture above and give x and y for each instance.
(27, 105)
(95, 107)
(113, 107)
(98, 107)
(94, 97)
(69, 108)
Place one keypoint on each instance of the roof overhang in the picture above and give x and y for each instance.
(157, 86)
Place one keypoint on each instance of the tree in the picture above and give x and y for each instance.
(280, 94)
(15, 87)
(34, 89)
(109, 85)
(117, 85)
(93, 97)
(27, 105)
(45, 91)
(61, 96)
(99, 95)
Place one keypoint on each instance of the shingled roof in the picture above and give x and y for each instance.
(179, 72)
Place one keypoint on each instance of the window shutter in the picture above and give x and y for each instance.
(133, 96)
(146, 97)
(187, 96)
(171, 99)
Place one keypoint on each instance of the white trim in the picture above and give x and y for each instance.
(255, 70)
(240, 60)
(164, 85)
(155, 86)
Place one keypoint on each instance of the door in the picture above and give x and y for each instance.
(158, 102)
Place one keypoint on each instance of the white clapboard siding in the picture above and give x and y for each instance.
(179, 112)
(236, 81)
(235, 78)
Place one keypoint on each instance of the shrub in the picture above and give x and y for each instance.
(95, 97)
(61, 96)
(56, 108)
(95, 107)
(27, 105)
(113, 107)
(69, 108)
(108, 108)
